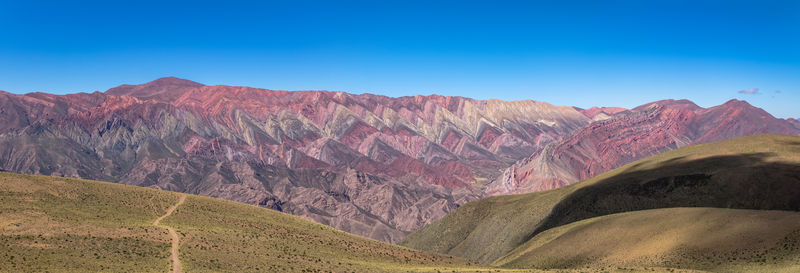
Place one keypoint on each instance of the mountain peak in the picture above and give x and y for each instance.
(735, 102)
(678, 104)
(175, 81)
(166, 88)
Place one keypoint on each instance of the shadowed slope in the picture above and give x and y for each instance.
(759, 172)
(747, 181)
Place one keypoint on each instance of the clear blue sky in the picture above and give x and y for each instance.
(582, 53)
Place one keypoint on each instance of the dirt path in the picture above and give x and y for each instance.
(176, 263)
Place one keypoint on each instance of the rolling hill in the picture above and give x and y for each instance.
(757, 172)
(709, 239)
(50, 224)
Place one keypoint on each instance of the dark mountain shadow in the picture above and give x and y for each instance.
(734, 181)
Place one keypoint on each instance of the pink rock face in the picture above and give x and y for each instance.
(371, 165)
(647, 130)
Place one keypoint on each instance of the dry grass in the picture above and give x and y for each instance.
(67, 225)
(224, 236)
(50, 224)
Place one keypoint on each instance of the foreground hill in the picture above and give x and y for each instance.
(758, 172)
(71, 225)
(713, 239)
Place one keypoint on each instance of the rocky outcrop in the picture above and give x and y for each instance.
(371, 165)
(631, 135)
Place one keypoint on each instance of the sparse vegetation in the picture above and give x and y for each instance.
(68, 225)
(50, 224)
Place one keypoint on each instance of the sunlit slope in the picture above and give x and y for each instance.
(68, 225)
(758, 172)
(71, 225)
(713, 239)
(220, 235)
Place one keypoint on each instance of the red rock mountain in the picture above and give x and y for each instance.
(627, 136)
(371, 165)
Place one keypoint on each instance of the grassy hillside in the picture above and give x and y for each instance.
(713, 239)
(758, 172)
(67, 225)
(50, 224)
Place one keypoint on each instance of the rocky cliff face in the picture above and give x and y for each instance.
(371, 165)
(626, 136)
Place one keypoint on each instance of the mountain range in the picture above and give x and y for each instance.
(619, 136)
(372, 165)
